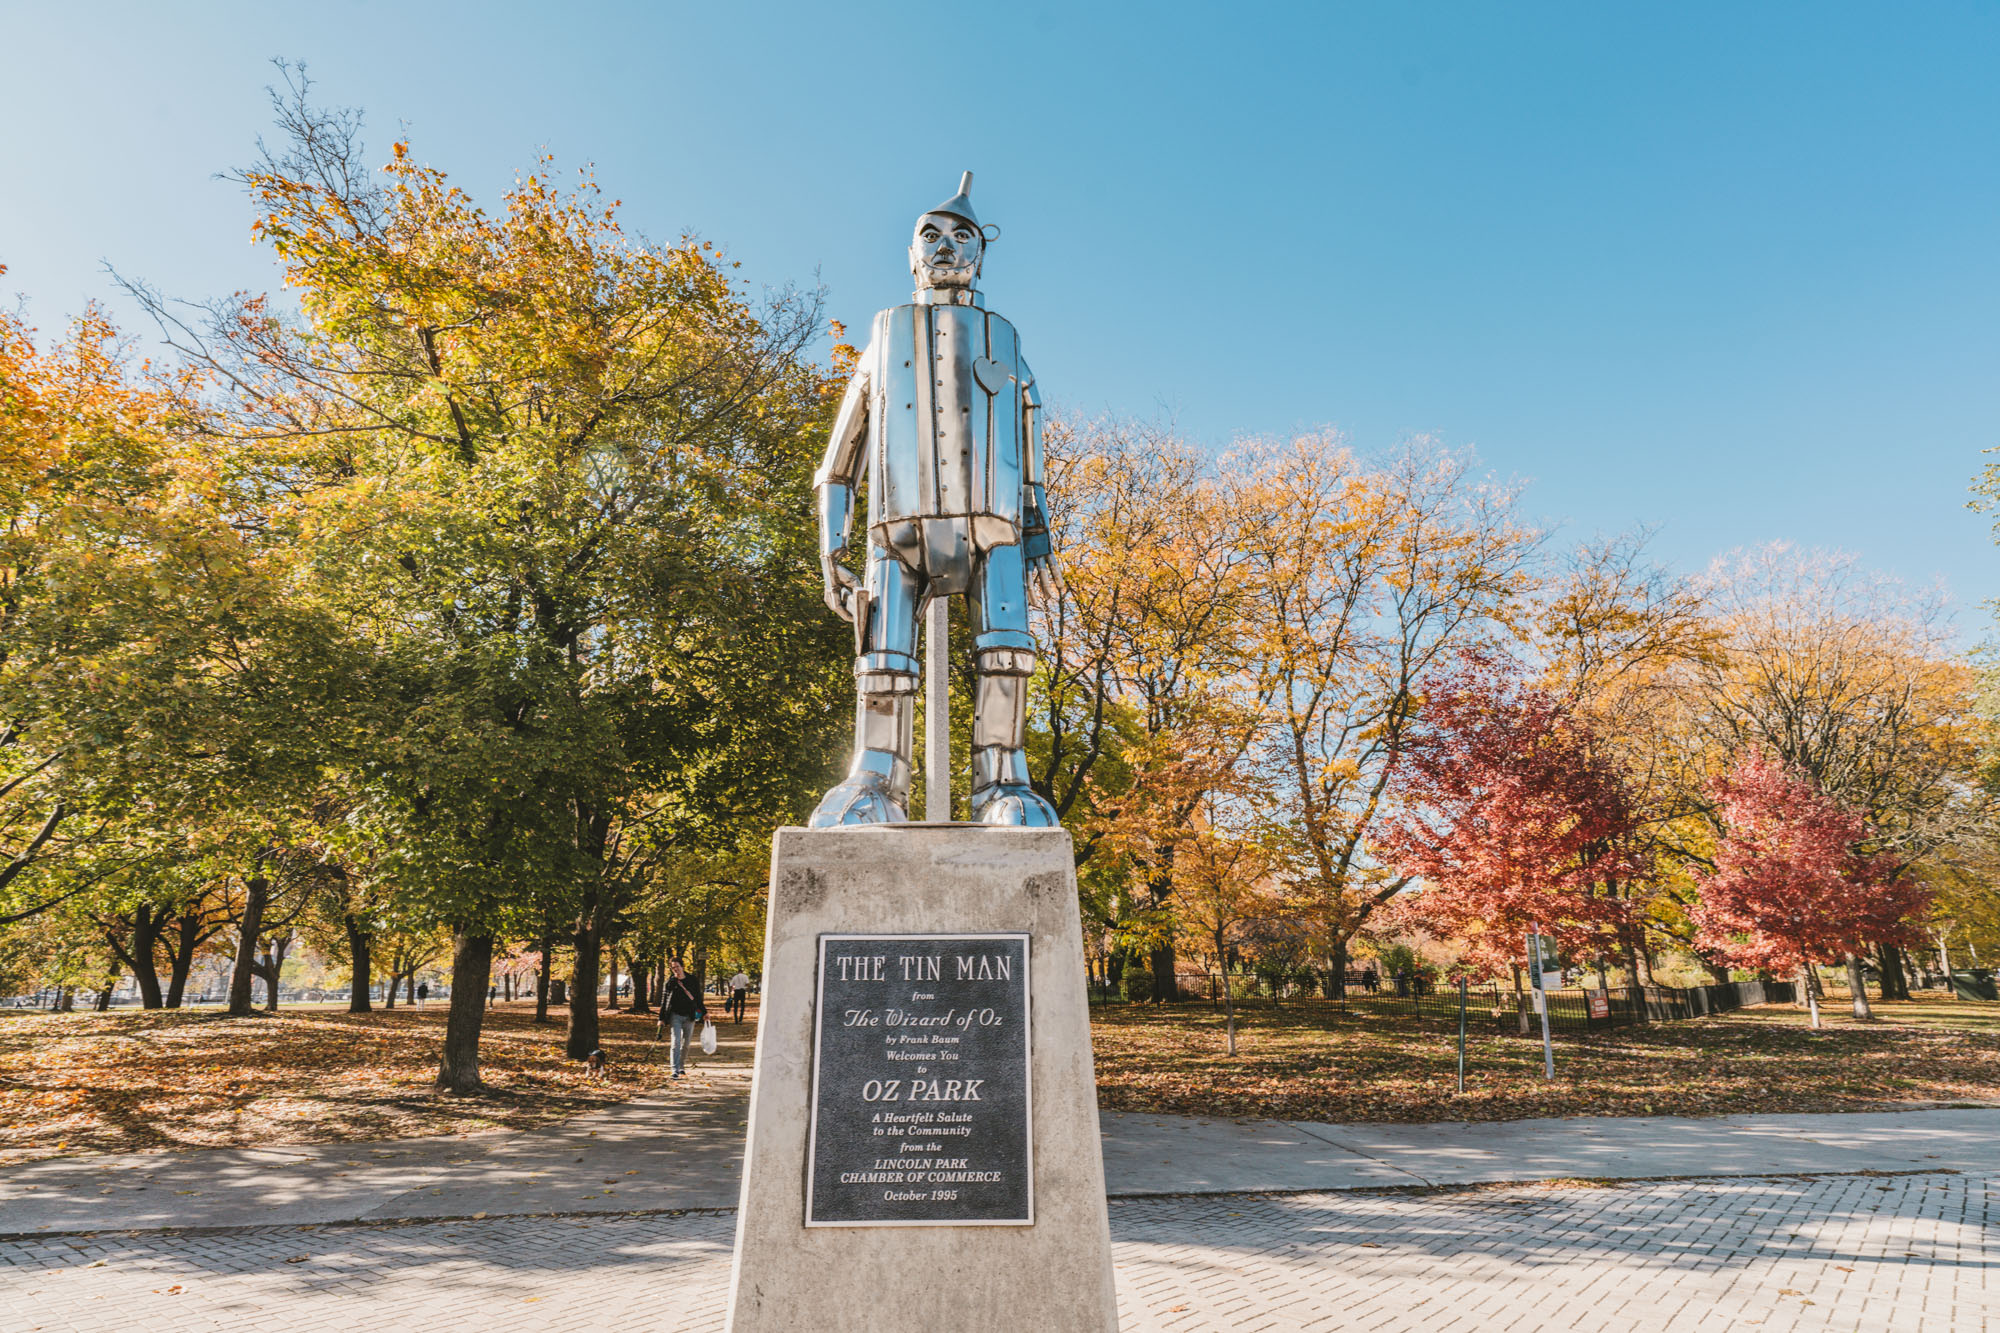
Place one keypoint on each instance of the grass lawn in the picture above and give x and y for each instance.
(131, 1080)
(1308, 1062)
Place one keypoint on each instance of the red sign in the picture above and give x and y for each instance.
(1600, 1003)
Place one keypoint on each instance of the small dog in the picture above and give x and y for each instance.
(594, 1064)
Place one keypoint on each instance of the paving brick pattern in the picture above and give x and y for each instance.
(1851, 1252)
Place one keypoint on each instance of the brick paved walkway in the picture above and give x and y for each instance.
(1851, 1252)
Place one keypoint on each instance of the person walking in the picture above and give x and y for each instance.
(739, 995)
(423, 993)
(680, 1013)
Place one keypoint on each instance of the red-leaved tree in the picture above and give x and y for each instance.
(1512, 819)
(1789, 888)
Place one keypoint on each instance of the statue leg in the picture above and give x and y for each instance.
(877, 787)
(1004, 651)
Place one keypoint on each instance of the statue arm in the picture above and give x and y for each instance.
(838, 476)
(1037, 542)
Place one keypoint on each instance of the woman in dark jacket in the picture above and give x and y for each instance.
(680, 1013)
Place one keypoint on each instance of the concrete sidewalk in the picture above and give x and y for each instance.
(1150, 1154)
(678, 1148)
(681, 1148)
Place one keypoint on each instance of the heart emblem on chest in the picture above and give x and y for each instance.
(992, 376)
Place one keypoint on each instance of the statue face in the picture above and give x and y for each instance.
(946, 251)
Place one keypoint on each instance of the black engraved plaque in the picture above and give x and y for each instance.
(920, 1102)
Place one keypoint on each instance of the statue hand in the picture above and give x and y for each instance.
(841, 586)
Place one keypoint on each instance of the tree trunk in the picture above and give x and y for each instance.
(1520, 1001)
(1857, 987)
(361, 955)
(255, 892)
(583, 1035)
(274, 963)
(1336, 986)
(1895, 981)
(146, 927)
(187, 936)
(1717, 973)
(548, 945)
(640, 977)
(104, 997)
(410, 982)
(1228, 993)
(1809, 986)
(1162, 959)
(612, 989)
(471, 970)
(1628, 945)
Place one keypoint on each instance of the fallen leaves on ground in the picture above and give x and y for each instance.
(1308, 1061)
(136, 1080)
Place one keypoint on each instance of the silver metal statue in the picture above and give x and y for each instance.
(945, 414)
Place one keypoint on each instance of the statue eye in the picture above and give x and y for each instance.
(930, 233)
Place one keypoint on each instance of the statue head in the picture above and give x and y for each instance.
(949, 246)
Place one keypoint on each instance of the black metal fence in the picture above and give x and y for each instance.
(1495, 1007)
(1628, 1006)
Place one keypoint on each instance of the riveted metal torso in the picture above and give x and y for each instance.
(946, 421)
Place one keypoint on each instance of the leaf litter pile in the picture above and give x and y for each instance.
(132, 1080)
(1309, 1062)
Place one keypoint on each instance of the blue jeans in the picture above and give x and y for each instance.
(681, 1024)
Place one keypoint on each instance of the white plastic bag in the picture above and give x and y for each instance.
(707, 1037)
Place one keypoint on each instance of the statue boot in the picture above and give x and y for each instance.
(1000, 790)
(877, 788)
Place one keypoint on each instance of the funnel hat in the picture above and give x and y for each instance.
(960, 204)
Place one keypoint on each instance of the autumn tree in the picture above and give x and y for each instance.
(1511, 818)
(1364, 581)
(83, 449)
(1223, 886)
(537, 468)
(172, 689)
(1850, 683)
(1144, 712)
(1617, 636)
(1117, 486)
(1790, 888)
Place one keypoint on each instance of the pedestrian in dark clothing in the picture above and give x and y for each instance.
(680, 1013)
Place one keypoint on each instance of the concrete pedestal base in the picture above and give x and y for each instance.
(931, 879)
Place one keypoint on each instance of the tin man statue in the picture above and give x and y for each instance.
(945, 414)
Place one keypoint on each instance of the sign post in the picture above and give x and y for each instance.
(1537, 962)
(1461, 1036)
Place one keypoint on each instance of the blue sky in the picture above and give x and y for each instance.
(1730, 269)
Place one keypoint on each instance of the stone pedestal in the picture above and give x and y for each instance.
(923, 880)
